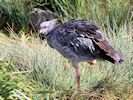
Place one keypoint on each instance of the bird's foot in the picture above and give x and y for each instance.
(79, 89)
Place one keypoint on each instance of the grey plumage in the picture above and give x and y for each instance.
(80, 40)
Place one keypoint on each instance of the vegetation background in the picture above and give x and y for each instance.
(30, 69)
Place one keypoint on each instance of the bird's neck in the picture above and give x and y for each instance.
(51, 31)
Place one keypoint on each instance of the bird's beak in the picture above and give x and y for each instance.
(42, 30)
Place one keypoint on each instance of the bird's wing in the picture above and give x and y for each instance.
(86, 36)
(76, 39)
(81, 44)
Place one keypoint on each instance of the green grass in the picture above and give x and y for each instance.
(14, 85)
(50, 74)
(101, 11)
(48, 67)
(18, 18)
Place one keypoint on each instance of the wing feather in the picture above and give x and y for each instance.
(85, 38)
(87, 35)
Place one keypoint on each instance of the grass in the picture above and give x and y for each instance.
(103, 12)
(50, 76)
(12, 86)
(18, 14)
(49, 68)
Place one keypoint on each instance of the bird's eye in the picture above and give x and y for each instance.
(45, 27)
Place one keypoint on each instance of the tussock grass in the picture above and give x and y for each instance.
(18, 14)
(34, 59)
(101, 11)
(48, 67)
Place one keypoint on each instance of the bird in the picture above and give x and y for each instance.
(79, 40)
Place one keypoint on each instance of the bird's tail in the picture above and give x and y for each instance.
(114, 57)
(109, 53)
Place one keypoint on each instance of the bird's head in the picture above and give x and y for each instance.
(47, 26)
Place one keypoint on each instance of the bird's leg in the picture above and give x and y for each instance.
(77, 77)
(75, 65)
